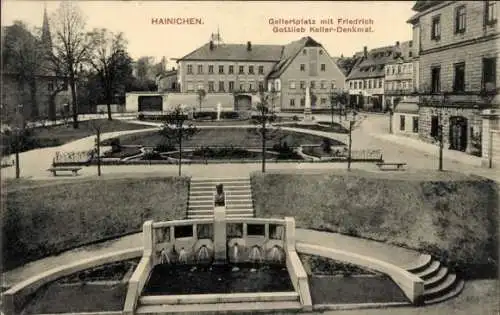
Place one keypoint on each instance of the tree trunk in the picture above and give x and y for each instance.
(264, 146)
(98, 152)
(18, 169)
(34, 103)
(72, 82)
(108, 104)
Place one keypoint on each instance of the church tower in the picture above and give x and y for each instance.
(46, 37)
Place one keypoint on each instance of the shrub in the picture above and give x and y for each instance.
(295, 118)
(140, 116)
(205, 115)
(229, 115)
(164, 148)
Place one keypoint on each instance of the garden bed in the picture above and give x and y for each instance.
(319, 266)
(325, 127)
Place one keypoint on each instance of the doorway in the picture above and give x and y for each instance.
(458, 133)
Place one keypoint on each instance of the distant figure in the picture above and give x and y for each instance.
(219, 195)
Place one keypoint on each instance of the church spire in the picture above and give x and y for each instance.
(46, 37)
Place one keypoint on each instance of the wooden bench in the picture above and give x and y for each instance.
(393, 166)
(74, 170)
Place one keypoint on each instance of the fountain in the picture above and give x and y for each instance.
(203, 255)
(164, 259)
(219, 107)
(275, 255)
(183, 259)
(255, 255)
(307, 109)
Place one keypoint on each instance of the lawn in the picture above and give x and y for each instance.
(41, 219)
(51, 136)
(226, 137)
(449, 215)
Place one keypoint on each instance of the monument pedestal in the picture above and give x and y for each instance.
(307, 115)
(220, 248)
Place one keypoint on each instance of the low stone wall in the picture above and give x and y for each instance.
(15, 298)
(412, 286)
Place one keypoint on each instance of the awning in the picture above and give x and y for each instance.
(407, 107)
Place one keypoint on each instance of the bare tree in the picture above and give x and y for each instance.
(174, 130)
(71, 45)
(108, 57)
(265, 116)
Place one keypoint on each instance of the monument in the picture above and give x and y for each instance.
(307, 109)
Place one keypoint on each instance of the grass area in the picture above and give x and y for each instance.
(51, 136)
(323, 126)
(318, 151)
(41, 219)
(449, 215)
(317, 265)
(223, 153)
(225, 137)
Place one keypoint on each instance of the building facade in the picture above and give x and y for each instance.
(399, 74)
(167, 81)
(244, 70)
(457, 47)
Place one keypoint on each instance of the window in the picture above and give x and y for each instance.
(261, 85)
(256, 229)
(221, 69)
(323, 84)
(410, 44)
(415, 124)
(242, 69)
(304, 52)
(402, 122)
(351, 84)
(302, 67)
(365, 84)
(489, 73)
(200, 86)
(261, 69)
(370, 84)
(302, 85)
(190, 69)
(333, 84)
(181, 231)
(355, 84)
(313, 84)
(200, 69)
(380, 83)
(393, 70)
(231, 86)
(250, 69)
(459, 79)
(410, 54)
(231, 69)
(323, 67)
(436, 28)
(250, 86)
(323, 101)
(460, 18)
(242, 86)
(436, 79)
(292, 102)
(434, 126)
(210, 69)
(221, 86)
(302, 102)
(50, 86)
(320, 51)
(292, 84)
(211, 86)
(490, 14)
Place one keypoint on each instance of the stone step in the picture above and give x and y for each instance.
(212, 180)
(457, 289)
(201, 216)
(211, 190)
(239, 206)
(225, 184)
(240, 215)
(202, 197)
(430, 271)
(441, 289)
(220, 298)
(201, 211)
(225, 308)
(201, 202)
(234, 211)
(238, 196)
(422, 263)
(197, 208)
(436, 279)
(238, 201)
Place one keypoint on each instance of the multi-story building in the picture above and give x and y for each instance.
(366, 80)
(457, 47)
(399, 74)
(243, 70)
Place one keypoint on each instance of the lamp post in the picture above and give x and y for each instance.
(18, 129)
(440, 129)
(97, 128)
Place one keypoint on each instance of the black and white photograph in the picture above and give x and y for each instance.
(250, 157)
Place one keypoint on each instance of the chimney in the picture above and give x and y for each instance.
(365, 52)
(397, 44)
(211, 45)
(249, 46)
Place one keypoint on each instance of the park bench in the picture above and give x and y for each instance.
(74, 170)
(392, 166)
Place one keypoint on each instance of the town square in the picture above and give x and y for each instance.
(174, 157)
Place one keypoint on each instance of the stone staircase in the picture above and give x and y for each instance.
(238, 192)
(439, 283)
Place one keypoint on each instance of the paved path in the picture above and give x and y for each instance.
(385, 252)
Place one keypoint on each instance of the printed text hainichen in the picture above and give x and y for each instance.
(176, 21)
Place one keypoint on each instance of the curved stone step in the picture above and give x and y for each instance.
(222, 308)
(457, 289)
(436, 279)
(422, 263)
(430, 271)
(442, 288)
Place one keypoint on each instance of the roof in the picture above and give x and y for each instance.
(235, 52)
(377, 58)
(290, 51)
(421, 6)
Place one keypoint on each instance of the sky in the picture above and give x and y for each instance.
(238, 22)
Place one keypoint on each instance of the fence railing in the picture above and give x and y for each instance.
(73, 157)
